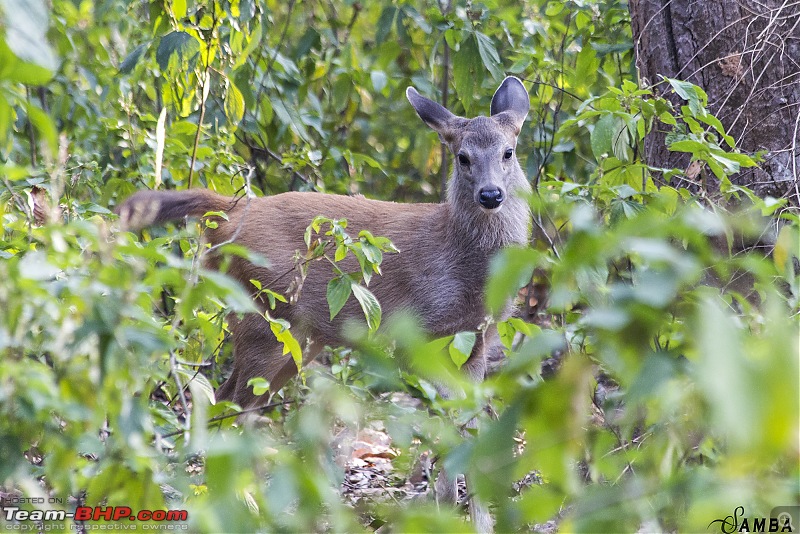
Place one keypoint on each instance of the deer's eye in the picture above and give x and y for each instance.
(508, 153)
(463, 160)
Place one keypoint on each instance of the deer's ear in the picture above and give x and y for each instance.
(435, 115)
(511, 102)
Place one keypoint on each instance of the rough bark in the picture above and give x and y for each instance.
(746, 55)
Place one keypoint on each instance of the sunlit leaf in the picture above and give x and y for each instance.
(369, 304)
(234, 103)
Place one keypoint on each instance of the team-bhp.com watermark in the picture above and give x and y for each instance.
(87, 518)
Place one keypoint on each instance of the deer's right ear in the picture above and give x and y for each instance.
(435, 115)
(511, 103)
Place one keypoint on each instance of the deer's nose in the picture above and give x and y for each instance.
(490, 197)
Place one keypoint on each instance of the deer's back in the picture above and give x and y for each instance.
(430, 278)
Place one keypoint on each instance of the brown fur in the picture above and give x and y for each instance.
(438, 275)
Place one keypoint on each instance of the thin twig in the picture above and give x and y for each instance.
(448, 7)
(204, 94)
(222, 417)
(31, 134)
(793, 155)
(176, 376)
(204, 91)
(272, 59)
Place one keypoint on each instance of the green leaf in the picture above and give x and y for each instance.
(786, 247)
(461, 347)
(731, 166)
(259, 385)
(132, 59)
(44, 126)
(614, 48)
(586, 66)
(609, 132)
(385, 23)
(400, 26)
(509, 270)
(253, 42)
(667, 118)
(26, 23)
(489, 56)
(16, 70)
(199, 384)
(554, 9)
(696, 148)
(29, 74)
(511, 326)
(721, 367)
(160, 139)
(7, 117)
(415, 15)
(289, 116)
(669, 196)
(582, 19)
(272, 296)
(696, 97)
(234, 103)
(373, 255)
(378, 79)
(489, 465)
(341, 92)
(715, 123)
(179, 8)
(181, 44)
(742, 159)
(340, 254)
(465, 72)
(280, 328)
(339, 290)
(621, 144)
(370, 305)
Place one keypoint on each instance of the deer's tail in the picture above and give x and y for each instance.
(147, 207)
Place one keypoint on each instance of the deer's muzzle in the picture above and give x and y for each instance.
(490, 198)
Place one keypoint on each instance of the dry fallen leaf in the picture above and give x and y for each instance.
(693, 170)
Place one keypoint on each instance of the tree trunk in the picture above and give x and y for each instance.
(746, 55)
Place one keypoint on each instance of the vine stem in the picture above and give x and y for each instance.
(205, 89)
(446, 9)
(31, 134)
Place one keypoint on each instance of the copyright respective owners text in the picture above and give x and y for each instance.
(29, 515)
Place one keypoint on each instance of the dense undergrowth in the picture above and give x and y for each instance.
(672, 312)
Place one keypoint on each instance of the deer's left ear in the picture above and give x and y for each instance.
(510, 103)
(446, 124)
(434, 114)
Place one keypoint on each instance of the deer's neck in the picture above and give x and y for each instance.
(467, 226)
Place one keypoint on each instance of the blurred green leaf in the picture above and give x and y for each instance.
(25, 24)
(508, 272)
(130, 61)
(234, 104)
(176, 43)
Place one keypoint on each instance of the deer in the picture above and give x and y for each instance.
(438, 275)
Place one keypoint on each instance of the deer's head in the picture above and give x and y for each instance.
(486, 171)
